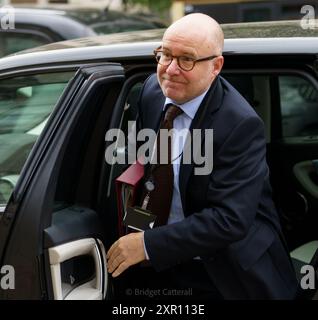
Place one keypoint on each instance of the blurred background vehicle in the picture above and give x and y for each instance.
(45, 21)
(39, 26)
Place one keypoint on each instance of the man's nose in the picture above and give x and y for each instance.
(173, 67)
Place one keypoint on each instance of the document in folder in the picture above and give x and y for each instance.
(127, 185)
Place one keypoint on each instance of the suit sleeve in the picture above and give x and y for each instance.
(233, 195)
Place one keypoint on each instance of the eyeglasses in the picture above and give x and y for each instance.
(185, 63)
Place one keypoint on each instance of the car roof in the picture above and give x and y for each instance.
(61, 22)
(278, 38)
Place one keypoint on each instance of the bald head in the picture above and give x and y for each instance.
(191, 57)
(198, 28)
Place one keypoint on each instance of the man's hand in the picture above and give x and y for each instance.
(125, 252)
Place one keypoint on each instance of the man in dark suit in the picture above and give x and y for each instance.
(223, 234)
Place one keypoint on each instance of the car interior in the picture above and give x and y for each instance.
(298, 121)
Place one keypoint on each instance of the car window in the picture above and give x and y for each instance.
(256, 90)
(11, 42)
(298, 99)
(299, 106)
(25, 105)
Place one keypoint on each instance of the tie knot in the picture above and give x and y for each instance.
(172, 112)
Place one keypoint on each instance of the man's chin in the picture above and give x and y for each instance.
(176, 99)
(173, 96)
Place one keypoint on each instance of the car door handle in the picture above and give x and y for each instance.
(92, 288)
(304, 172)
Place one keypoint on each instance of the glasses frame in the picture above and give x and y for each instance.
(155, 52)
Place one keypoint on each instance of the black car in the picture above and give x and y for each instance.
(38, 26)
(57, 193)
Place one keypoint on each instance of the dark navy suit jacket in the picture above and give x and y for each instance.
(231, 221)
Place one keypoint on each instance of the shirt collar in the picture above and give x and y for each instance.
(189, 108)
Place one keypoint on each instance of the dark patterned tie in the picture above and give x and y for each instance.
(162, 174)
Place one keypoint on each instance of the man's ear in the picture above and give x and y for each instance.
(218, 64)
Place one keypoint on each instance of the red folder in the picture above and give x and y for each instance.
(126, 188)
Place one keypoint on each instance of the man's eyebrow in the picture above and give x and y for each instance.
(184, 53)
(164, 48)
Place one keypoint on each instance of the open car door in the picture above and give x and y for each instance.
(50, 231)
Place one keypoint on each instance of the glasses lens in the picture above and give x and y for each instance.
(186, 63)
(163, 58)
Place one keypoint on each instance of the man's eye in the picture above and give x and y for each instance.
(166, 55)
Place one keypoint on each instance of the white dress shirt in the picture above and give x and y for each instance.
(183, 121)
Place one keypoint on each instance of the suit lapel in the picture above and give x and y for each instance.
(152, 110)
(202, 120)
(155, 116)
(154, 106)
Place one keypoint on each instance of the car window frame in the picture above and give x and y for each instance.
(37, 214)
(119, 113)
